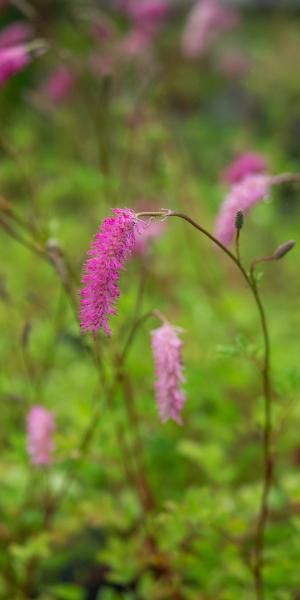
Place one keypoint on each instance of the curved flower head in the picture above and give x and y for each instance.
(207, 19)
(166, 347)
(110, 249)
(12, 60)
(40, 429)
(242, 197)
(248, 163)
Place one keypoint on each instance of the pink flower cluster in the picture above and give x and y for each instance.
(40, 429)
(248, 163)
(59, 85)
(147, 14)
(12, 60)
(111, 247)
(166, 346)
(16, 33)
(147, 17)
(14, 54)
(207, 19)
(242, 197)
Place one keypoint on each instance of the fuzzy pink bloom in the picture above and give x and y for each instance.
(207, 19)
(166, 347)
(40, 429)
(245, 164)
(59, 85)
(111, 247)
(242, 196)
(12, 60)
(145, 233)
(147, 14)
(15, 34)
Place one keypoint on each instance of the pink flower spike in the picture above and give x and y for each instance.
(245, 164)
(18, 32)
(13, 60)
(110, 249)
(59, 85)
(40, 429)
(242, 196)
(147, 14)
(166, 347)
(207, 19)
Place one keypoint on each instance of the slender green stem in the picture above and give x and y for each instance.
(268, 459)
(237, 245)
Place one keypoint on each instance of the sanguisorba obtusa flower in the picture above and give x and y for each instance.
(112, 246)
(248, 163)
(40, 429)
(166, 346)
(242, 196)
(12, 60)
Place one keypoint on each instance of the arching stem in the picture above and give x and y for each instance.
(268, 459)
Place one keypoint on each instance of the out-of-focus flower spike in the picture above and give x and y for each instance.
(40, 429)
(166, 347)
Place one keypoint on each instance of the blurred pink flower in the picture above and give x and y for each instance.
(245, 164)
(110, 249)
(166, 347)
(13, 60)
(40, 429)
(242, 196)
(147, 14)
(59, 85)
(207, 19)
(145, 233)
(15, 34)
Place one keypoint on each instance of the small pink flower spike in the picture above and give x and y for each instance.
(14, 34)
(40, 429)
(112, 246)
(166, 347)
(147, 14)
(59, 85)
(12, 60)
(206, 20)
(249, 163)
(242, 197)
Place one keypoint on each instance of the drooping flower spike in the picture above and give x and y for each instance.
(110, 249)
(12, 60)
(206, 20)
(166, 347)
(242, 197)
(40, 429)
(249, 163)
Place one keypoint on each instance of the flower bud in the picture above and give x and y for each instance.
(239, 220)
(283, 249)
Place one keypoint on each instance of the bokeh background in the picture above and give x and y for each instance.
(111, 113)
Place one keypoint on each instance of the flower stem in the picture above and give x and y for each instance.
(268, 459)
